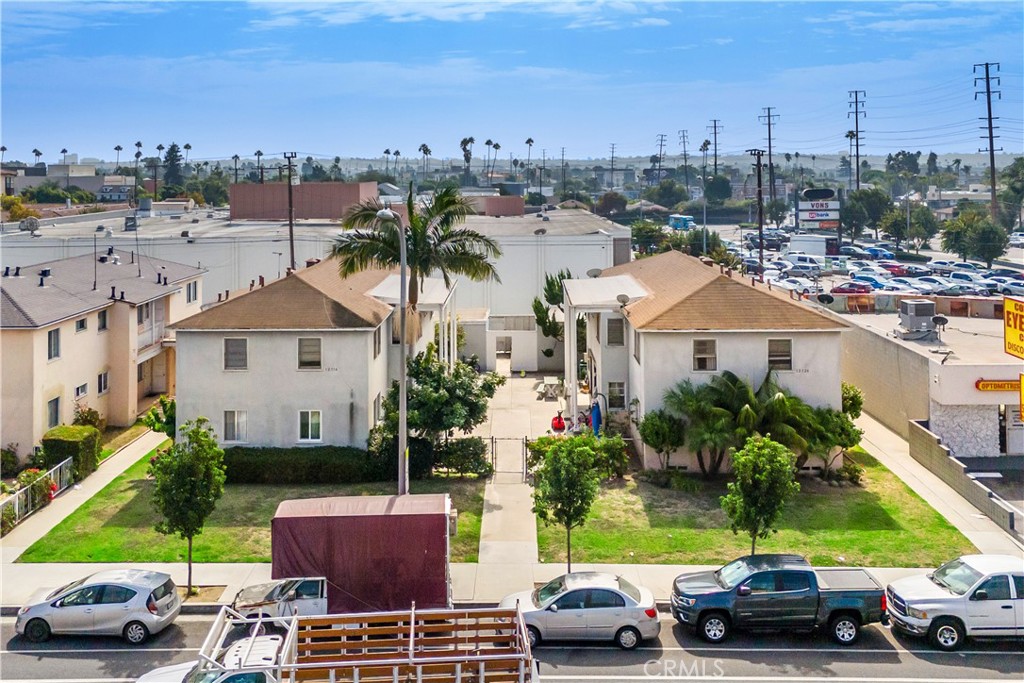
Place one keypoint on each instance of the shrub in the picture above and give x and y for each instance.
(9, 463)
(684, 483)
(19, 212)
(465, 456)
(611, 460)
(81, 443)
(317, 465)
(7, 520)
(42, 486)
(851, 472)
(84, 415)
(382, 449)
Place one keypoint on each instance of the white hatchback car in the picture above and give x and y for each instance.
(588, 606)
(131, 603)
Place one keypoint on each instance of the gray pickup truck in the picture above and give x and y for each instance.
(778, 592)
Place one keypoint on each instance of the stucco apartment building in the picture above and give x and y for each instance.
(303, 360)
(655, 322)
(91, 329)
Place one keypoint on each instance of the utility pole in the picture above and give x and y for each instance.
(611, 182)
(289, 157)
(686, 159)
(757, 154)
(994, 209)
(543, 167)
(768, 119)
(661, 152)
(856, 101)
(563, 169)
(715, 129)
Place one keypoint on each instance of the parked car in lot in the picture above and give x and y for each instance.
(894, 267)
(1007, 272)
(916, 270)
(131, 603)
(1017, 239)
(853, 264)
(914, 283)
(963, 289)
(940, 266)
(852, 287)
(974, 279)
(875, 281)
(880, 252)
(854, 252)
(588, 606)
(798, 284)
(1008, 286)
(971, 596)
(880, 273)
(896, 288)
(938, 281)
(777, 592)
(804, 270)
(966, 267)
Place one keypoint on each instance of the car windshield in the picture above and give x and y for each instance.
(548, 591)
(629, 589)
(65, 588)
(198, 675)
(732, 573)
(956, 576)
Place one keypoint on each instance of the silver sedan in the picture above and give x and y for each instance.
(131, 603)
(588, 606)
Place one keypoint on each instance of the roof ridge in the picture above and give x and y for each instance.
(21, 310)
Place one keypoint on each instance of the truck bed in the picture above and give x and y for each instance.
(846, 579)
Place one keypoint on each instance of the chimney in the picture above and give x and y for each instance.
(158, 278)
(17, 271)
(103, 259)
(227, 293)
(42, 281)
(218, 297)
(7, 273)
(312, 262)
(165, 280)
(113, 292)
(122, 295)
(110, 251)
(262, 282)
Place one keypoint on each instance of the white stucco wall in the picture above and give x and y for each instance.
(273, 390)
(967, 430)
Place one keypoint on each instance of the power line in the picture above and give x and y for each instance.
(857, 103)
(768, 118)
(715, 128)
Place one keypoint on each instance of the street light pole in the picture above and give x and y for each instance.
(387, 215)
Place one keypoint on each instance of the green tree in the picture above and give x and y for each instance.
(609, 203)
(987, 241)
(1011, 198)
(955, 235)
(695, 239)
(163, 417)
(853, 400)
(172, 166)
(668, 193)
(932, 164)
(565, 486)
(853, 217)
(188, 482)
(435, 242)
(923, 225)
(718, 189)
(536, 199)
(894, 223)
(548, 321)
(875, 202)
(904, 162)
(648, 236)
(776, 211)
(765, 480)
(663, 432)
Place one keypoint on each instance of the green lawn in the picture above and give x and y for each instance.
(117, 524)
(118, 437)
(881, 523)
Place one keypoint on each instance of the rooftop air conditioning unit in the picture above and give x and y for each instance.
(917, 314)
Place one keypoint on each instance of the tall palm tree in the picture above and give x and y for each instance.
(529, 149)
(117, 159)
(36, 153)
(259, 164)
(396, 154)
(188, 148)
(435, 240)
(425, 151)
(487, 158)
(467, 155)
(496, 148)
(387, 159)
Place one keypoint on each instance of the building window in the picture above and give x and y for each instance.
(636, 345)
(309, 425)
(142, 313)
(376, 342)
(101, 321)
(597, 329)
(81, 325)
(309, 353)
(616, 332)
(705, 355)
(81, 390)
(53, 412)
(234, 425)
(780, 354)
(616, 395)
(376, 409)
(236, 353)
(191, 291)
(53, 344)
(140, 372)
(102, 383)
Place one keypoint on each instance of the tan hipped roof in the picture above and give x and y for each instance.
(685, 294)
(311, 298)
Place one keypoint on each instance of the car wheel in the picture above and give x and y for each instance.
(844, 629)
(37, 631)
(135, 633)
(714, 627)
(628, 638)
(534, 635)
(946, 634)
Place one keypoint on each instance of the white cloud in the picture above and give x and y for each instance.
(652, 21)
(722, 41)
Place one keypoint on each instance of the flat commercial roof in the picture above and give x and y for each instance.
(972, 340)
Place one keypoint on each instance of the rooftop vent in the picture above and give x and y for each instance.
(102, 259)
(110, 251)
(45, 272)
(917, 320)
(7, 271)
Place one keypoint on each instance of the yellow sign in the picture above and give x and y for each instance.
(1013, 327)
(997, 385)
(1021, 387)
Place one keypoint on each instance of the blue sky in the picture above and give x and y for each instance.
(353, 78)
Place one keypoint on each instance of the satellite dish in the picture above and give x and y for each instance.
(594, 272)
(540, 231)
(30, 224)
(940, 320)
(826, 298)
(623, 299)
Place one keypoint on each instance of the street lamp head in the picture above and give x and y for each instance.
(387, 215)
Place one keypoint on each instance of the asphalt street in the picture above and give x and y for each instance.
(678, 654)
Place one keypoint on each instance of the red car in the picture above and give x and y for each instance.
(897, 269)
(852, 288)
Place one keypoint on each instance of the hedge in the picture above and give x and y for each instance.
(912, 257)
(81, 443)
(314, 465)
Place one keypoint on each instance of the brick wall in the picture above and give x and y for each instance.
(269, 201)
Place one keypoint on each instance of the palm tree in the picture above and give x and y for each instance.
(487, 158)
(117, 159)
(467, 154)
(425, 151)
(435, 240)
(259, 165)
(36, 153)
(956, 164)
(529, 149)
(515, 165)
(496, 148)
(387, 158)
(187, 147)
(396, 154)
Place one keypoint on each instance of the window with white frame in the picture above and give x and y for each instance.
(309, 353)
(102, 383)
(81, 390)
(236, 353)
(376, 342)
(101, 321)
(234, 425)
(143, 313)
(191, 291)
(309, 425)
(616, 332)
(780, 354)
(53, 344)
(636, 345)
(705, 355)
(53, 412)
(616, 395)
(81, 325)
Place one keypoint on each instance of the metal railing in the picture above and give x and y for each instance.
(26, 500)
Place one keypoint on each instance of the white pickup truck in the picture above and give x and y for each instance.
(973, 595)
(283, 598)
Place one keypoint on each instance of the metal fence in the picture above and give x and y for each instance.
(25, 501)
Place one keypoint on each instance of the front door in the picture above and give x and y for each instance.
(757, 609)
(570, 620)
(1018, 602)
(990, 608)
(76, 611)
(605, 612)
(113, 609)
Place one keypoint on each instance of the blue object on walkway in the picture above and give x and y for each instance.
(595, 417)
